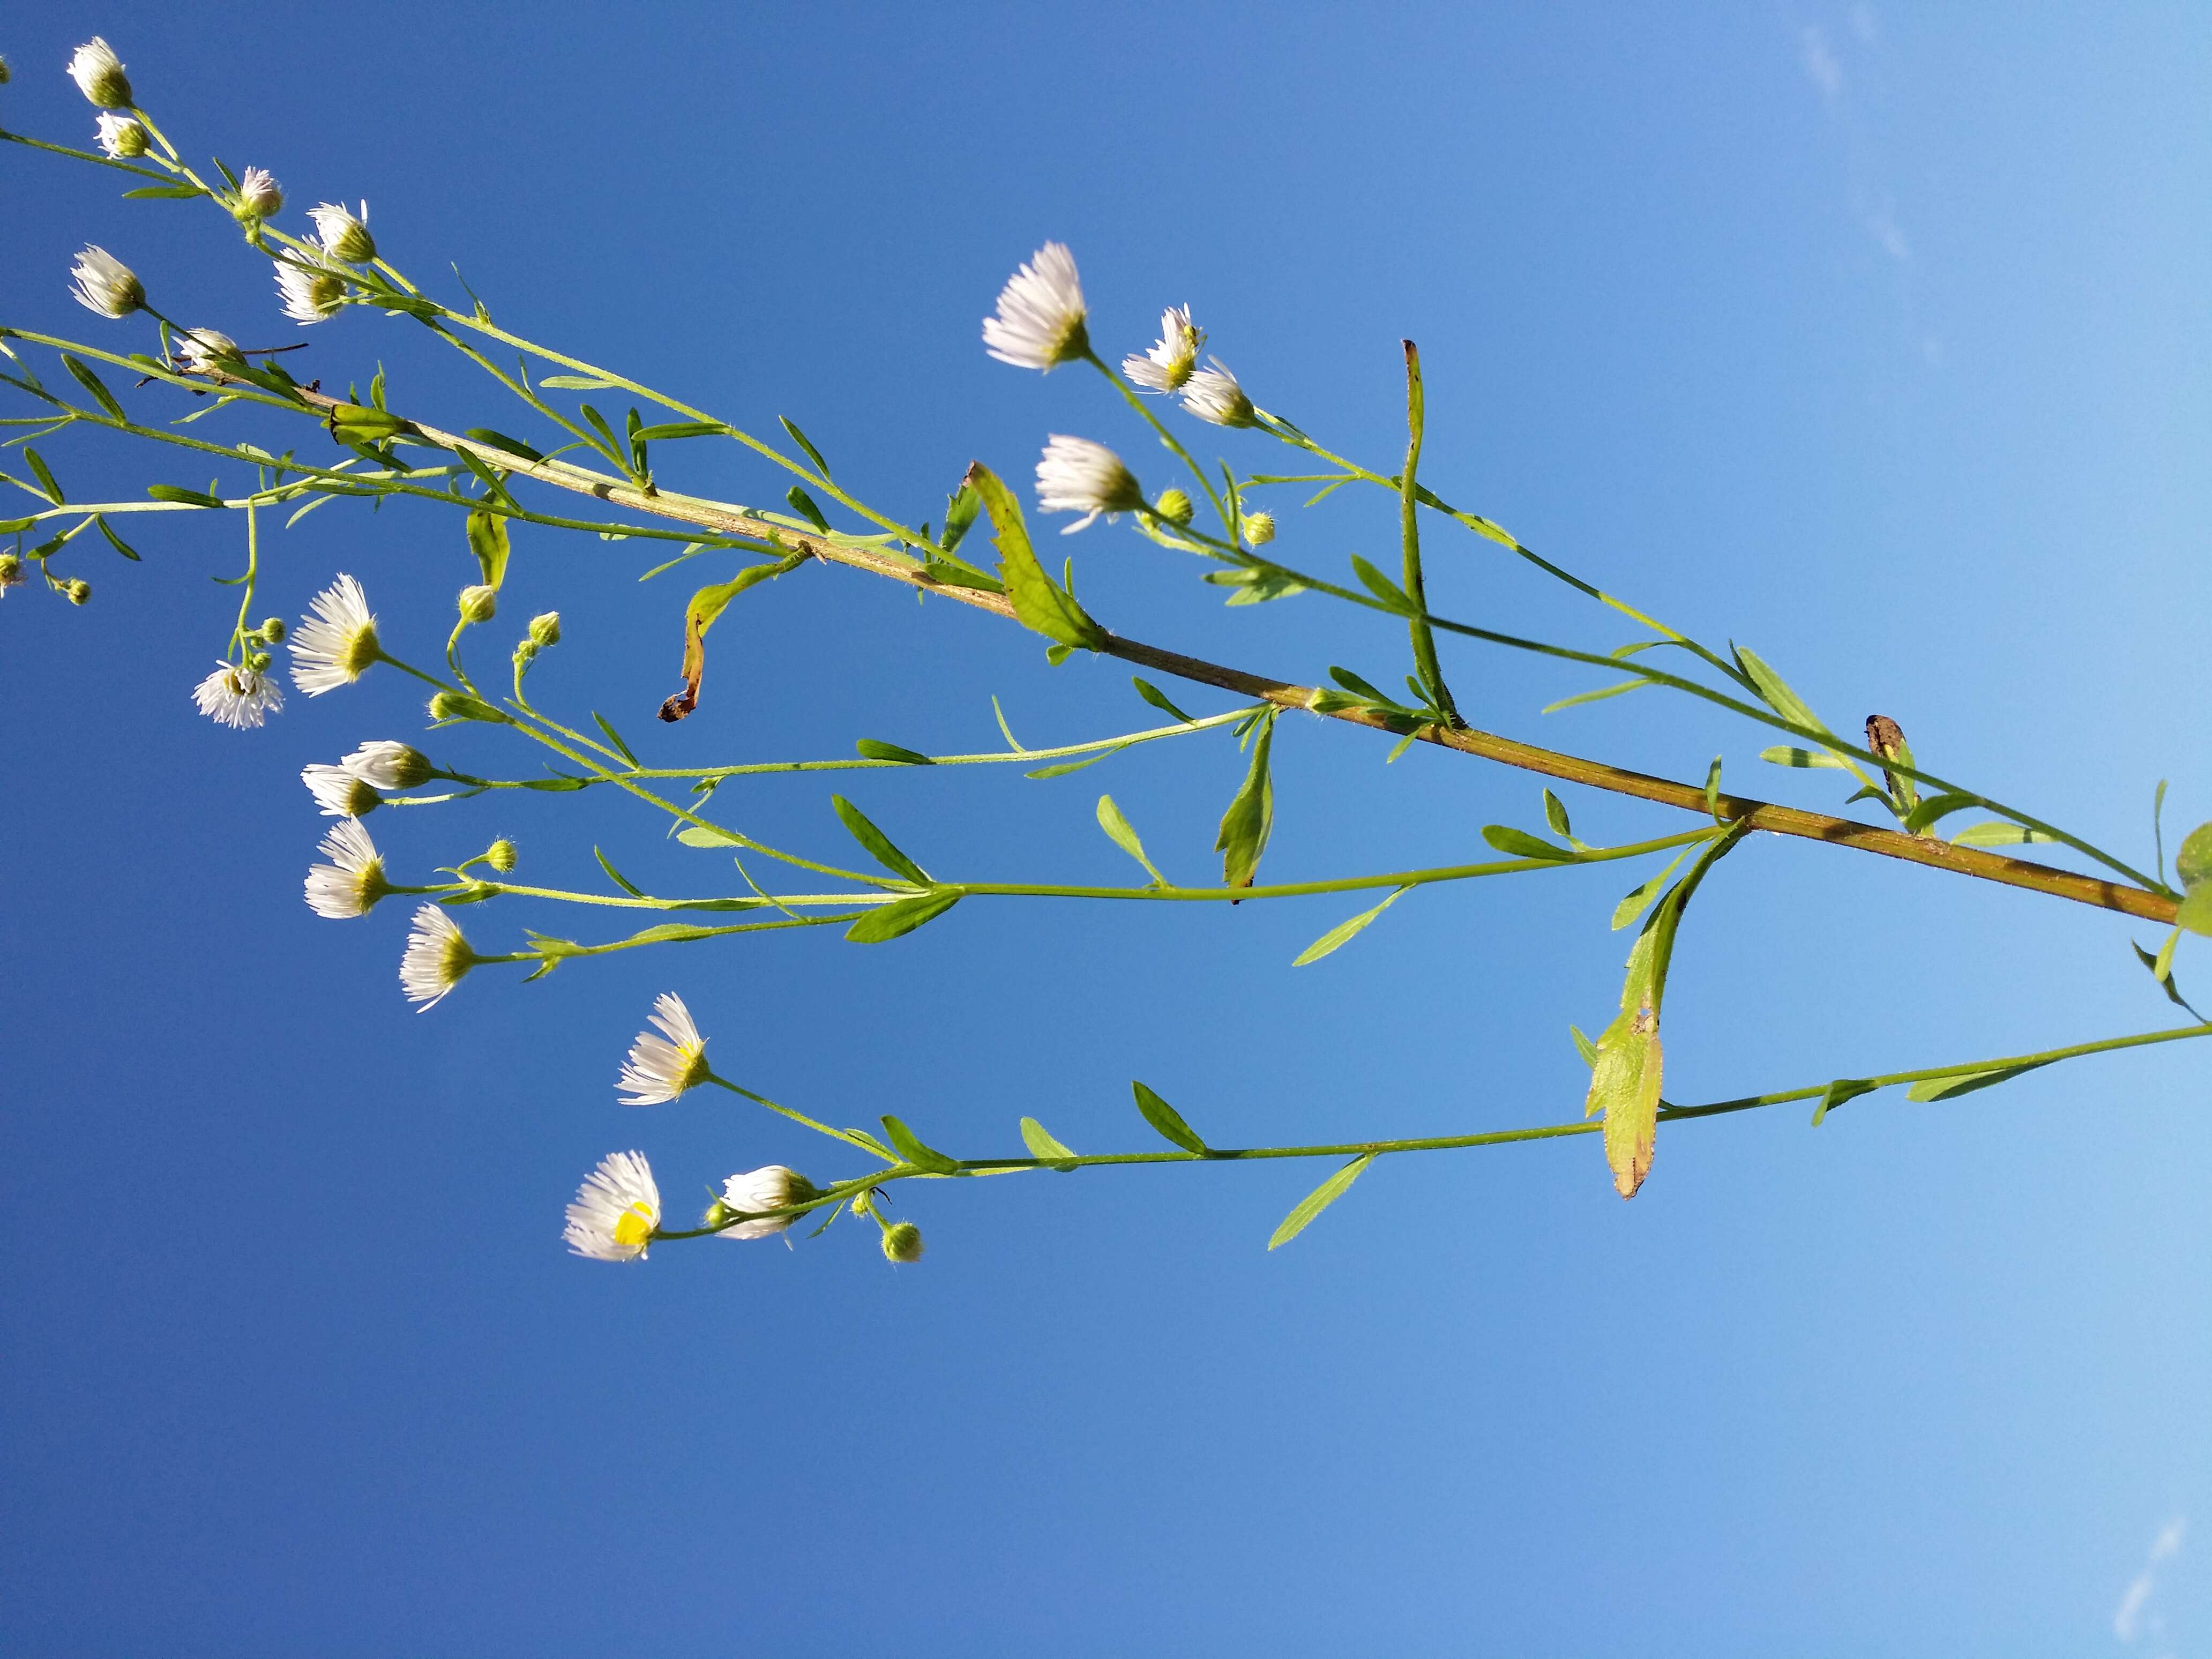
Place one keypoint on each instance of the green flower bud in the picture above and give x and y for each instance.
(79, 592)
(6, 74)
(1260, 528)
(1174, 506)
(500, 855)
(479, 605)
(273, 629)
(458, 706)
(903, 1242)
(719, 1215)
(98, 75)
(258, 662)
(545, 628)
(12, 570)
(525, 652)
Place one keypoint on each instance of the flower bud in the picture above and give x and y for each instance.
(259, 195)
(545, 628)
(479, 604)
(11, 570)
(79, 592)
(1260, 528)
(258, 662)
(1174, 506)
(6, 74)
(458, 706)
(273, 629)
(345, 237)
(98, 75)
(525, 652)
(500, 855)
(390, 765)
(903, 1242)
(121, 137)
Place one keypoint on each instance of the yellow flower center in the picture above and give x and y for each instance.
(359, 651)
(634, 1227)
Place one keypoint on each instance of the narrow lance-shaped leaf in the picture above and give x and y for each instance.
(909, 1146)
(1158, 699)
(1964, 1083)
(1786, 755)
(1123, 835)
(1997, 832)
(895, 920)
(1040, 602)
(1843, 1089)
(1519, 844)
(1345, 932)
(1250, 819)
(1776, 691)
(699, 616)
(1169, 1121)
(1319, 1200)
(1043, 1147)
(878, 844)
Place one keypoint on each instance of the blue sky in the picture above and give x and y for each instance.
(1876, 342)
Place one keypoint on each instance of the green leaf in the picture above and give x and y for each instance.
(961, 507)
(1964, 1083)
(1250, 819)
(2196, 911)
(1358, 687)
(1064, 768)
(1167, 1121)
(178, 191)
(1784, 755)
(92, 383)
(1318, 1200)
(1382, 586)
(1585, 1048)
(2160, 967)
(1123, 836)
(115, 540)
(556, 785)
(802, 440)
(577, 382)
(615, 739)
(1936, 807)
(187, 497)
(803, 504)
(706, 604)
(1597, 696)
(1843, 1089)
(1158, 699)
(1632, 904)
(1713, 790)
(599, 425)
(878, 845)
(1555, 814)
(617, 876)
(45, 475)
(2192, 860)
(15, 527)
(695, 835)
(895, 920)
(1776, 691)
(1043, 1147)
(670, 933)
(1041, 604)
(1345, 932)
(909, 1146)
(485, 435)
(875, 749)
(487, 533)
(1523, 845)
(670, 429)
(1997, 832)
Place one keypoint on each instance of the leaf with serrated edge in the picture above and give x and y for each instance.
(1345, 932)
(1319, 1200)
(1040, 604)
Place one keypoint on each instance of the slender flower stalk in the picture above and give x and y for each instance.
(1075, 475)
(753, 1191)
(105, 284)
(1214, 395)
(121, 137)
(343, 235)
(309, 295)
(338, 793)
(98, 75)
(237, 697)
(385, 764)
(616, 1210)
(353, 881)
(438, 957)
(336, 645)
(1170, 361)
(1041, 313)
(661, 1067)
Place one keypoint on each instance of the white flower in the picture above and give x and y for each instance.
(1214, 395)
(438, 956)
(237, 697)
(617, 1210)
(1041, 313)
(353, 880)
(335, 646)
(344, 236)
(753, 1191)
(121, 136)
(662, 1067)
(309, 295)
(98, 75)
(1169, 363)
(259, 193)
(385, 764)
(1075, 475)
(338, 793)
(105, 284)
(204, 350)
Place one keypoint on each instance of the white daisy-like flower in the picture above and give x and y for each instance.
(338, 793)
(1075, 475)
(335, 645)
(259, 193)
(105, 284)
(1041, 313)
(98, 75)
(662, 1067)
(753, 1191)
(204, 350)
(617, 1210)
(309, 295)
(438, 957)
(344, 235)
(352, 882)
(385, 764)
(121, 137)
(1172, 357)
(1214, 395)
(237, 697)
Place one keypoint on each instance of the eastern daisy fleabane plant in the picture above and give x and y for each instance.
(1214, 395)
(343, 235)
(237, 697)
(385, 764)
(338, 793)
(661, 1067)
(98, 75)
(105, 284)
(1075, 475)
(309, 295)
(121, 137)
(259, 194)
(204, 350)
(1041, 320)
(335, 646)
(616, 1210)
(753, 1191)
(353, 881)
(1172, 357)
(437, 958)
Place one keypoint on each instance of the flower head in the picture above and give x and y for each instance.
(336, 645)
(438, 957)
(11, 573)
(344, 236)
(1075, 475)
(1260, 527)
(353, 880)
(237, 697)
(754, 1191)
(105, 284)
(338, 793)
(98, 75)
(1214, 395)
(309, 295)
(1172, 357)
(259, 194)
(902, 1241)
(385, 764)
(121, 136)
(662, 1067)
(617, 1210)
(1041, 313)
(204, 350)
